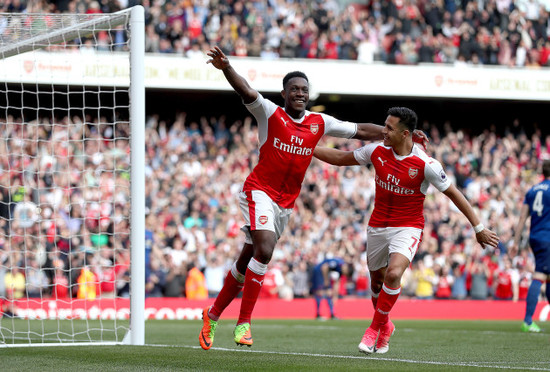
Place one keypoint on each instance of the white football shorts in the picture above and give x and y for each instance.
(261, 213)
(382, 241)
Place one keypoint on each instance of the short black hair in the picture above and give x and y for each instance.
(546, 168)
(407, 117)
(292, 75)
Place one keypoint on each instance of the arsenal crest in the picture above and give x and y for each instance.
(413, 172)
(262, 219)
(314, 128)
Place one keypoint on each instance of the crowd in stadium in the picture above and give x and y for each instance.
(492, 32)
(65, 200)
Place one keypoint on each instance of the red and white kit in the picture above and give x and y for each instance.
(286, 150)
(401, 184)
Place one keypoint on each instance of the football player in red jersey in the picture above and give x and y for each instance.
(403, 173)
(288, 136)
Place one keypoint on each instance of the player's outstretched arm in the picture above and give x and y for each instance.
(484, 236)
(334, 156)
(524, 214)
(369, 132)
(373, 132)
(220, 61)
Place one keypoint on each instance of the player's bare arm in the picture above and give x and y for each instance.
(369, 132)
(524, 214)
(373, 132)
(220, 61)
(484, 236)
(325, 271)
(334, 156)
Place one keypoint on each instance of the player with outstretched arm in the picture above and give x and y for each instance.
(403, 173)
(287, 139)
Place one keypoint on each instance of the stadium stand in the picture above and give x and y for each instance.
(493, 32)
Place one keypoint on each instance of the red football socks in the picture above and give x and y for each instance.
(254, 278)
(374, 299)
(230, 290)
(387, 298)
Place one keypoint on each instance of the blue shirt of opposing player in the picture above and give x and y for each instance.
(321, 273)
(536, 205)
(538, 200)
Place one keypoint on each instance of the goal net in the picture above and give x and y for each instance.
(71, 178)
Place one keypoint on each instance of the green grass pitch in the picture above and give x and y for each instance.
(302, 345)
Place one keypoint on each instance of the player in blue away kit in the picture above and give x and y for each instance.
(537, 206)
(324, 273)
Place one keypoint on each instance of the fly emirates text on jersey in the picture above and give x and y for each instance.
(294, 147)
(392, 185)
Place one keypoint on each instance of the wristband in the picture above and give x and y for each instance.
(479, 228)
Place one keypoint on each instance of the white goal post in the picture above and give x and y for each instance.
(72, 178)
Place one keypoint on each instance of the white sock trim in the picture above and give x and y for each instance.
(257, 267)
(375, 295)
(236, 274)
(391, 291)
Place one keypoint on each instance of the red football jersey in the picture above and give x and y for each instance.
(505, 280)
(286, 148)
(401, 184)
(524, 284)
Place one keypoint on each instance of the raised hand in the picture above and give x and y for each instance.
(218, 58)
